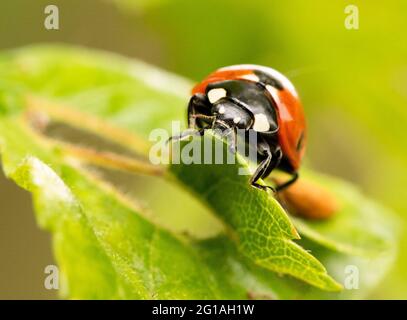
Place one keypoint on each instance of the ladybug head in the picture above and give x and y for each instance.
(228, 115)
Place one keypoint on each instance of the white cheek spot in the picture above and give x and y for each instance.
(222, 110)
(216, 94)
(236, 120)
(261, 123)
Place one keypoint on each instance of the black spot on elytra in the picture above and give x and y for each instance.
(300, 141)
(266, 79)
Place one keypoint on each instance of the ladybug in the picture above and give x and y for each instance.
(253, 97)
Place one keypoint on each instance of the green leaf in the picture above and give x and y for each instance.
(106, 249)
(109, 245)
(264, 231)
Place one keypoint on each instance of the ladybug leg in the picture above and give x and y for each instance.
(275, 161)
(231, 136)
(266, 166)
(197, 105)
(288, 183)
(186, 134)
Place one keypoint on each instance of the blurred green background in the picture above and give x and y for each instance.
(353, 84)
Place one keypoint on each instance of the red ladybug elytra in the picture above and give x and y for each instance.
(258, 98)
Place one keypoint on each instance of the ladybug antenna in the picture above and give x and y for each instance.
(208, 119)
(203, 117)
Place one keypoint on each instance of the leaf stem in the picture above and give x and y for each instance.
(81, 120)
